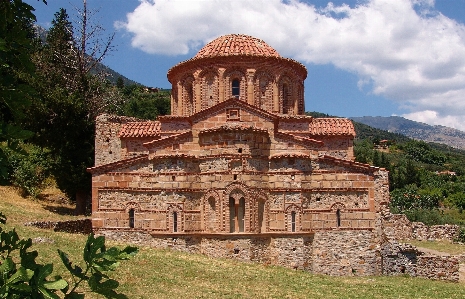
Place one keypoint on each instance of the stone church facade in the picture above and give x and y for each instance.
(239, 171)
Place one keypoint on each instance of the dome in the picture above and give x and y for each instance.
(237, 44)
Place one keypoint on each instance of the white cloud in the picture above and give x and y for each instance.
(403, 49)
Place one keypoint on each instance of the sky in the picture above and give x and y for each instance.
(364, 57)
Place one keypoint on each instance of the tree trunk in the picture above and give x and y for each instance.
(81, 202)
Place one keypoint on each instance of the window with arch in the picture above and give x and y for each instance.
(293, 224)
(236, 215)
(235, 88)
(286, 98)
(175, 222)
(131, 218)
(338, 217)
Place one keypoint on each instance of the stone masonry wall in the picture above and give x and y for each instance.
(346, 253)
(81, 226)
(398, 227)
(107, 142)
(399, 259)
(292, 251)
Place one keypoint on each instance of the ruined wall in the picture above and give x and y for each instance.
(398, 227)
(107, 143)
(400, 259)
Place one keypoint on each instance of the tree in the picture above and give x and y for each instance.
(71, 96)
(16, 44)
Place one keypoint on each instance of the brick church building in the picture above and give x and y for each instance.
(239, 171)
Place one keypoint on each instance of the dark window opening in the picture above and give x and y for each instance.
(293, 221)
(338, 216)
(239, 150)
(235, 177)
(131, 218)
(173, 178)
(175, 222)
(235, 88)
(236, 215)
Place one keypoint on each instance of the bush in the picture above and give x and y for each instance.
(30, 169)
(430, 217)
(22, 277)
(461, 236)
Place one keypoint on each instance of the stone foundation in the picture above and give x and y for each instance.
(333, 253)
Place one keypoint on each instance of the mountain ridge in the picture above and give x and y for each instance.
(416, 130)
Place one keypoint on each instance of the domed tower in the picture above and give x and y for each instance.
(238, 66)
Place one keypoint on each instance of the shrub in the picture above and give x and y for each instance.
(22, 277)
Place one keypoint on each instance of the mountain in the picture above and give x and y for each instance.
(416, 130)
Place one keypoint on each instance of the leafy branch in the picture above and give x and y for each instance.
(30, 280)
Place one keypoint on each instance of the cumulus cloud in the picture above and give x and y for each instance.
(403, 50)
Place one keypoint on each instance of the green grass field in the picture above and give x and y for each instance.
(154, 273)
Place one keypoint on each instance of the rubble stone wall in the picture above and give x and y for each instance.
(398, 227)
(80, 226)
(401, 259)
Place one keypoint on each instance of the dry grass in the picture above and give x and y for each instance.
(167, 274)
(441, 246)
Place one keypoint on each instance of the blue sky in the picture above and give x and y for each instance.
(364, 58)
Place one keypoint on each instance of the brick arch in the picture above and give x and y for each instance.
(232, 207)
(263, 90)
(298, 212)
(209, 88)
(175, 208)
(229, 76)
(188, 95)
(261, 225)
(286, 94)
(211, 218)
(338, 206)
(132, 205)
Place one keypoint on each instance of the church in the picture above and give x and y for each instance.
(239, 171)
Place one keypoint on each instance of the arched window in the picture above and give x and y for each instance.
(175, 222)
(293, 221)
(236, 215)
(235, 88)
(286, 100)
(338, 217)
(131, 218)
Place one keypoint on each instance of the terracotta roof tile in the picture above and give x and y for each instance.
(236, 44)
(121, 163)
(140, 129)
(332, 126)
(351, 163)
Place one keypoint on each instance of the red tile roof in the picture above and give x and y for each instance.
(332, 126)
(140, 129)
(236, 44)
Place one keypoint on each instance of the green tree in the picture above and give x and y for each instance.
(71, 96)
(16, 46)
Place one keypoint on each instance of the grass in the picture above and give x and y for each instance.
(442, 246)
(154, 273)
